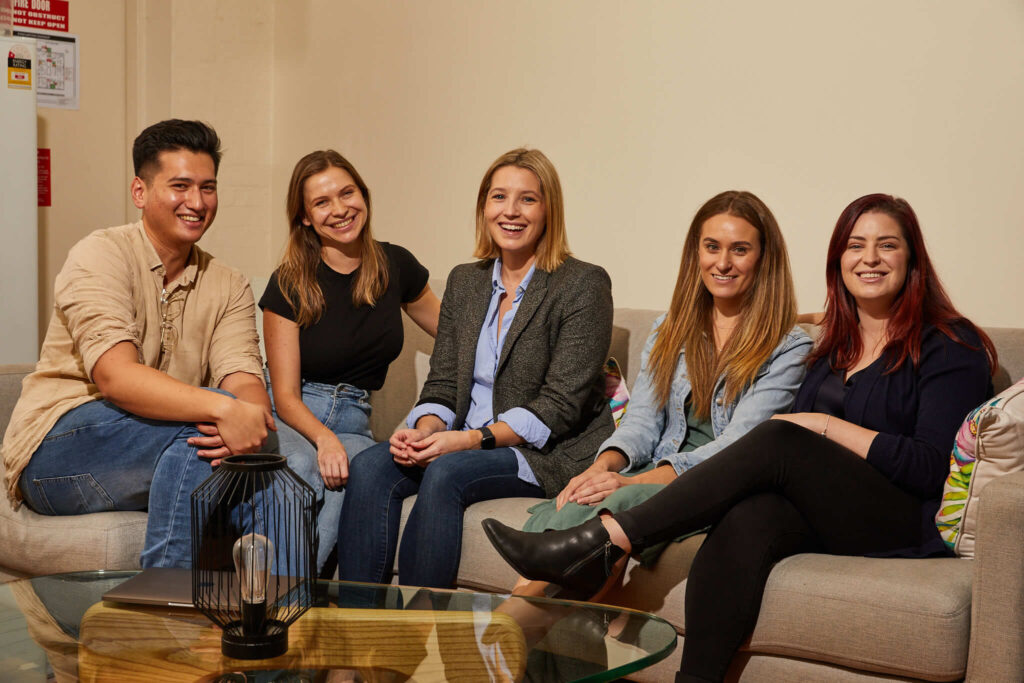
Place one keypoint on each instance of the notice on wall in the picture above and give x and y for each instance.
(43, 168)
(56, 68)
(50, 15)
(19, 67)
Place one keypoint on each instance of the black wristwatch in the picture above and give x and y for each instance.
(487, 440)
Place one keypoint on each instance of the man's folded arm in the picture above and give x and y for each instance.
(147, 392)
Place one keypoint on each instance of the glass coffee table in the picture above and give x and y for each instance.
(58, 628)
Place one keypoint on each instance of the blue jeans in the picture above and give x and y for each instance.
(432, 542)
(345, 410)
(98, 457)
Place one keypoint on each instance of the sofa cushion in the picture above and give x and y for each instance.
(989, 444)
(51, 545)
(884, 615)
(902, 616)
(40, 544)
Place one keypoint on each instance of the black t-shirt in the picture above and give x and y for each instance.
(349, 344)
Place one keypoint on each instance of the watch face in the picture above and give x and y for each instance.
(487, 439)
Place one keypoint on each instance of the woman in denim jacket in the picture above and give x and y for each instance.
(856, 469)
(726, 357)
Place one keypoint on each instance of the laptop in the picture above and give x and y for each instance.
(172, 587)
(162, 586)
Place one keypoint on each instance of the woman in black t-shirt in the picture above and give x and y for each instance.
(332, 324)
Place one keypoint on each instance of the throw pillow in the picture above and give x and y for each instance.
(615, 389)
(989, 444)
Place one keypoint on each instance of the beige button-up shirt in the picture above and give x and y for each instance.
(198, 330)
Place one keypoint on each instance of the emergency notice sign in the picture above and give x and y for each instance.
(51, 15)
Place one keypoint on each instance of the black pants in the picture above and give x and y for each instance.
(778, 491)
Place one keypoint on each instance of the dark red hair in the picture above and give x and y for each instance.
(922, 300)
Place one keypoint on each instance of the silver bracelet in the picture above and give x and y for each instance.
(824, 432)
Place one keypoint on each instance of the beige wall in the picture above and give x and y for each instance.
(88, 174)
(647, 108)
(147, 60)
(195, 59)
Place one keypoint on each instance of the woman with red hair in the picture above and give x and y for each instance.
(856, 469)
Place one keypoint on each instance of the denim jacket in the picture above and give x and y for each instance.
(648, 434)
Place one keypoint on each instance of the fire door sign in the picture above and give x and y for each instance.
(51, 15)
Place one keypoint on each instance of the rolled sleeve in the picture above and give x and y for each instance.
(527, 425)
(93, 293)
(235, 345)
(444, 413)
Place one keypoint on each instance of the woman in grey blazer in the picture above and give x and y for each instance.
(514, 403)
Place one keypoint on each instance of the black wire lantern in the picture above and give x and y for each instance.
(254, 540)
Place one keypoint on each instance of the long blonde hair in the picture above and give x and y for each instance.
(769, 311)
(296, 275)
(553, 246)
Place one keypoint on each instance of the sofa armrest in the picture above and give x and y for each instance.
(997, 607)
(10, 390)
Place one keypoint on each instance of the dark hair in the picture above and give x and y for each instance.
(922, 300)
(172, 135)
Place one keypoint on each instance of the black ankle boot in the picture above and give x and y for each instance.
(580, 559)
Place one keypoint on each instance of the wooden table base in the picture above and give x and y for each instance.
(121, 642)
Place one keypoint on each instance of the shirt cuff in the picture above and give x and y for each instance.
(525, 472)
(526, 425)
(625, 468)
(443, 412)
(680, 462)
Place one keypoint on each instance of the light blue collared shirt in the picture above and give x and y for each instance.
(481, 402)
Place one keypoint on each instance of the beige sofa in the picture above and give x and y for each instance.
(822, 617)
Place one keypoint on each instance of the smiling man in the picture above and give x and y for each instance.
(151, 370)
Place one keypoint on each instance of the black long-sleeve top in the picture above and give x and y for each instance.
(916, 410)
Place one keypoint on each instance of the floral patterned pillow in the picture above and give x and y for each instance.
(990, 443)
(615, 389)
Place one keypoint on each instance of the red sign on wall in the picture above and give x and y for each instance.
(43, 166)
(49, 14)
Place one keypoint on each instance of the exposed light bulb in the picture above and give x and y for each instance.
(254, 558)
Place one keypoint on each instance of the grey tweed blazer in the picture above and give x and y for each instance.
(550, 364)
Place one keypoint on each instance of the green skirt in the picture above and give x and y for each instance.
(545, 517)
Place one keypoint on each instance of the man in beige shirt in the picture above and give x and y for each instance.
(151, 370)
